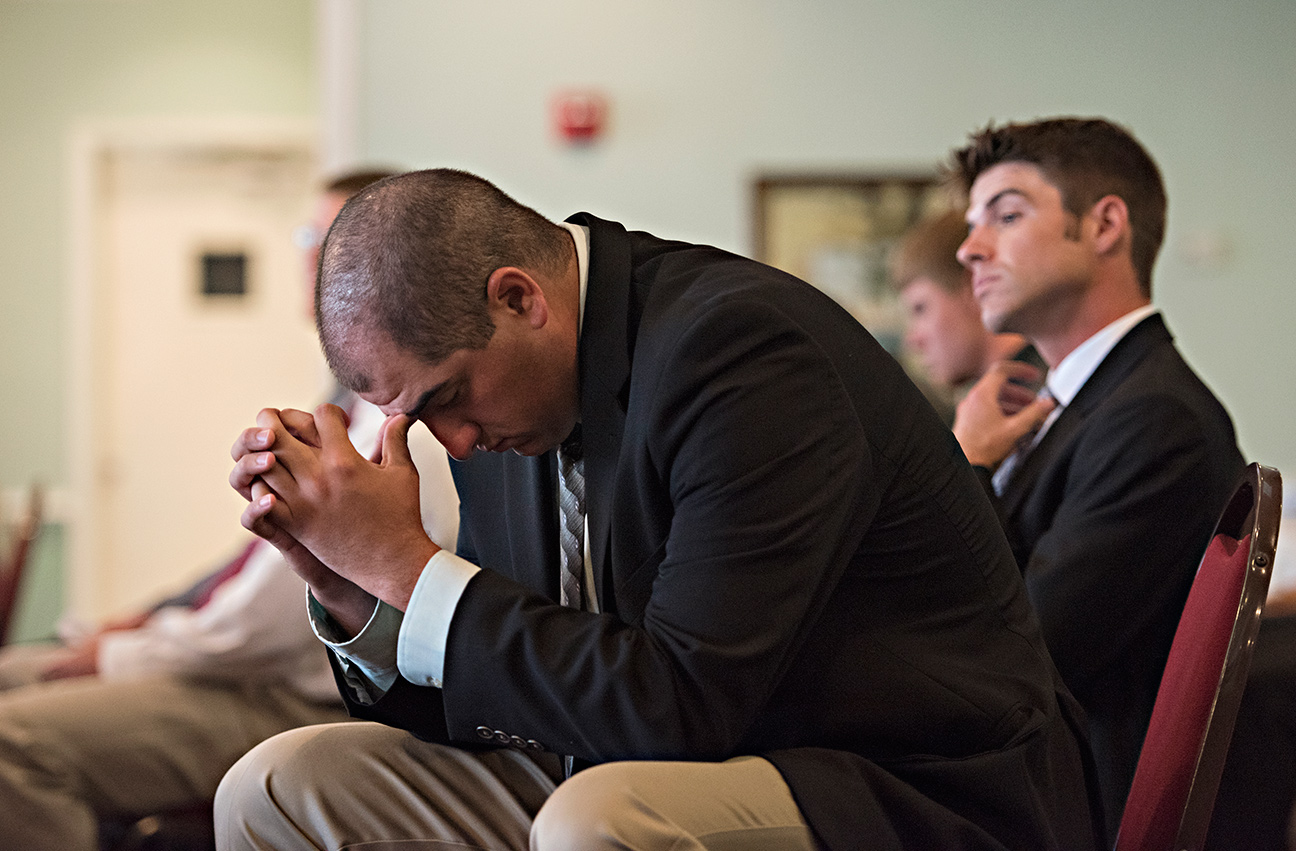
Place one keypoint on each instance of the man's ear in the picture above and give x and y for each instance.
(1110, 216)
(515, 291)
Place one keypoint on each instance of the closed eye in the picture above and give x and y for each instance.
(423, 401)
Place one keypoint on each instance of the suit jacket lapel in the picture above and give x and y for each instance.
(1119, 363)
(606, 334)
(522, 531)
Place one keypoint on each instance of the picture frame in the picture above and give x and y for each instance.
(835, 230)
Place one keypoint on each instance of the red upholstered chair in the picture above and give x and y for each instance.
(1170, 803)
(13, 563)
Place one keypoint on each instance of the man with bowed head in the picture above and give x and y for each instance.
(734, 585)
(143, 716)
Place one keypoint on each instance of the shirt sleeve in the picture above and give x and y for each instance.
(367, 660)
(391, 643)
(241, 629)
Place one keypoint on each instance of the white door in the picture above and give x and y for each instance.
(173, 373)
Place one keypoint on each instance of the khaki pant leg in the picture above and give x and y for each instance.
(742, 804)
(22, 664)
(342, 786)
(75, 751)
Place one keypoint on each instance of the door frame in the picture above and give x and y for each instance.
(92, 142)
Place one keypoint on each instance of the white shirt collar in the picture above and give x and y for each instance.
(580, 236)
(1074, 370)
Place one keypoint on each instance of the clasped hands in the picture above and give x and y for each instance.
(999, 411)
(350, 526)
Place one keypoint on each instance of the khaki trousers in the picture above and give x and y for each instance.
(22, 664)
(75, 751)
(371, 787)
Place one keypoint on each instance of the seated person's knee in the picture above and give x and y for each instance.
(586, 811)
(254, 781)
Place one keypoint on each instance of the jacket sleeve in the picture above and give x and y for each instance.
(745, 484)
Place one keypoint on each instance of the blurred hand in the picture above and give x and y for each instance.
(81, 660)
(998, 411)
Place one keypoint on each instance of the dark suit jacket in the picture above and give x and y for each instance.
(792, 559)
(1108, 517)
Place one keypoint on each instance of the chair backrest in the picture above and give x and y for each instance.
(1179, 768)
(13, 564)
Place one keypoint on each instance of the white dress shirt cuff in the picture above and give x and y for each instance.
(421, 648)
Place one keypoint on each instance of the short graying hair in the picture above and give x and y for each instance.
(410, 256)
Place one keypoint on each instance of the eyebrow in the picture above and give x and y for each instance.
(996, 198)
(422, 402)
(999, 196)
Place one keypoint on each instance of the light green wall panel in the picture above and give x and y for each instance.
(41, 601)
(70, 61)
(64, 63)
(707, 94)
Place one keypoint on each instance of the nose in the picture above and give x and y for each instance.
(459, 438)
(974, 247)
(914, 338)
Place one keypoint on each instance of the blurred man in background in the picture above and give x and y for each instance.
(942, 318)
(145, 714)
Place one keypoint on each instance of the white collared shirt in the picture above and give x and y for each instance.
(1064, 382)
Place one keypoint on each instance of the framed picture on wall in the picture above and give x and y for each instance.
(836, 230)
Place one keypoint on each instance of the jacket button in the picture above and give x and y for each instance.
(485, 733)
(501, 737)
(533, 745)
(517, 741)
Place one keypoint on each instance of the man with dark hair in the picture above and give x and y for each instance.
(776, 611)
(1109, 484)
(942, 319)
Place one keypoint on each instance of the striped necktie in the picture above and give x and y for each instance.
(571, 503)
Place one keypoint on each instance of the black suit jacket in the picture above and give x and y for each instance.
(792, 559)
(1108, 517)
